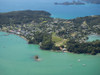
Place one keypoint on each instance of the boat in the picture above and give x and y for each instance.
(79, 60)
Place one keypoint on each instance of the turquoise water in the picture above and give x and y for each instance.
(16, 58)
(93, 37)
(58, 11)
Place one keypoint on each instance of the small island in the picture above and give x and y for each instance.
(92, 1)
(79, 2)
(63, 35)
(70, 3)
(37, 58)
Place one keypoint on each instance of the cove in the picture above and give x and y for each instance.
(93, 38)
(16, 58)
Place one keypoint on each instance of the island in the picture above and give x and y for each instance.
(53, 34)
(79, 2)
(70, 3)
(92, 1)
(37, 58)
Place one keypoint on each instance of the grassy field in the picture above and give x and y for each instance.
(58, 40)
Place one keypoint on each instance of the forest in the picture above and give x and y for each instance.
(22, 17)
(90, 20)
(87, 47)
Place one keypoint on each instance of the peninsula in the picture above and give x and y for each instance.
(53, 33)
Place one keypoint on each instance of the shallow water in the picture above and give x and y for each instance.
(16, 58)
(93, 38)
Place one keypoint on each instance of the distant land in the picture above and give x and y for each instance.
(92, 1)
(70, 3)
(79, 2)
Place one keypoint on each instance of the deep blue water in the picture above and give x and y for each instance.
(58, 11)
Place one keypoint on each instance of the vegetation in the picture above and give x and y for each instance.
(38, 37)
(90, 20)
(56, 38)
(47, 42)
(52, 33)
(22, 17)
(87, 47)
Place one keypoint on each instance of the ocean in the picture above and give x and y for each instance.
(17, 58)
(57, 11)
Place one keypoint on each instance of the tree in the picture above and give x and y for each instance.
(47, 42)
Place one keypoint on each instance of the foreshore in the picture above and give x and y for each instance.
(28, 41)
(16, 34)
(46, 50)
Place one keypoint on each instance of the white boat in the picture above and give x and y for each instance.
(79, 60)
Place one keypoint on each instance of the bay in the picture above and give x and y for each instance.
(16, 58)
(93, 38)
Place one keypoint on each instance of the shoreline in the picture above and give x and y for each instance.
(55, 16)
(16, 34)
(37, 44)
(41, 30)
(23, 37)
(60, 51)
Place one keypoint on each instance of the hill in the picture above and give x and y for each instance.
(52, 33)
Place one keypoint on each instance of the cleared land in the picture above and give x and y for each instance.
(58, 40)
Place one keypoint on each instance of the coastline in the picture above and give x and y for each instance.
(23, 37)
(25, 56)
(37, 44)
(16, 34)
(48, 50)
(41, 30)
